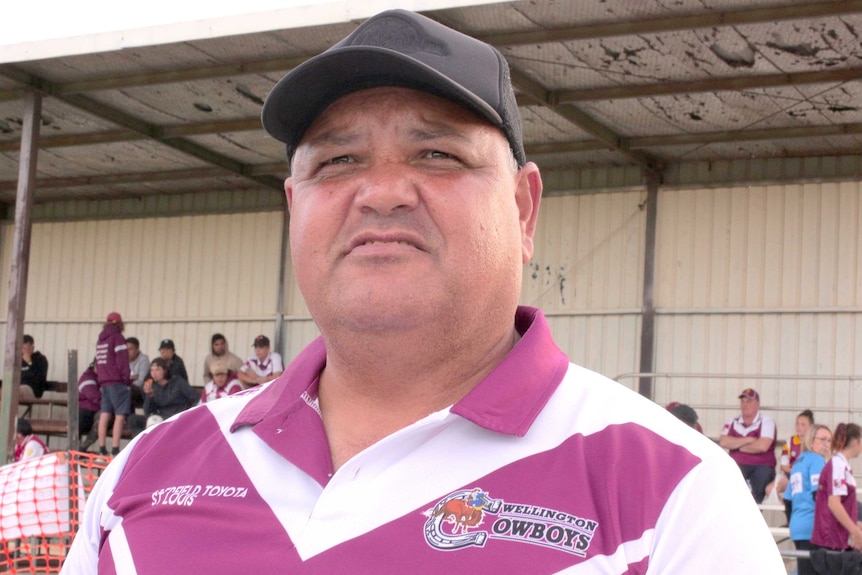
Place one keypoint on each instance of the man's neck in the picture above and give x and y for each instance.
(371, 390)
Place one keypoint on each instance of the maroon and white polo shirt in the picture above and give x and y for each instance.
(544, 467)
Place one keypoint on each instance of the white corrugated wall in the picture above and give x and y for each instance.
(182, 278)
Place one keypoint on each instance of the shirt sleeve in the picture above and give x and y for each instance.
(695, 533)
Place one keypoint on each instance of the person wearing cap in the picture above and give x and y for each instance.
(750, 439)
(219, 352)
(34, 369)
(261, 366)
(224, 382)
(115, 380)
(412, 214)
(168, 352)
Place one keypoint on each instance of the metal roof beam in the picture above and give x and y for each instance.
(671, 22)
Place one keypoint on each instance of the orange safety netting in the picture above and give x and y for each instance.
(41, 501)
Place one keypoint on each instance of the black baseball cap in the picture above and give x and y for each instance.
(167, 343)
(261, 341)
(397, 48)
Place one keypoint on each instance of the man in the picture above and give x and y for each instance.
(750, 439)
(176, 365)
(219, 352)
(262, 366)
(139, 366)
(34, 369)
(413, 211)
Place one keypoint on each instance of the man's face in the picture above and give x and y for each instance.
(261, 351)
(219, 347)
(407, 208)
(27, 348)
(133, 351)
(166, 353)
(748, 406)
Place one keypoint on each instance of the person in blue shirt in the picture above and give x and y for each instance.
(804, 476)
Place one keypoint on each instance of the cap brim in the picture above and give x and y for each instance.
(299, 98)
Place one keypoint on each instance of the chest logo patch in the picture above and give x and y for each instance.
(470, 517)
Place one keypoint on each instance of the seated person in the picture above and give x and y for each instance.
(27, 445)
(168, 352)
(165, 395)
(139, 367)
(750, 440)
(219, 352)
(263, 366)
(89, 405)
(34, 369)
(223, 383)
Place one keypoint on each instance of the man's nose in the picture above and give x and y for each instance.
(388, 187)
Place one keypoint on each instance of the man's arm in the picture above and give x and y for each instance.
(834, 503)
(732, 443)
(247, 376)
(759, 445)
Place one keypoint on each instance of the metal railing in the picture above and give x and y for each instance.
(664, 394)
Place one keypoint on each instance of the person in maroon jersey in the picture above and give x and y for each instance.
(836, 514)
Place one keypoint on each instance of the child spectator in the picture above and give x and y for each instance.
(224, 382)
(262, 366)
(27, 445)
(34, 369)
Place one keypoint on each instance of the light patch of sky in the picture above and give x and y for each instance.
(34, 20)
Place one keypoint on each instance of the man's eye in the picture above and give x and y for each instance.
(338, 160)
(437, 154)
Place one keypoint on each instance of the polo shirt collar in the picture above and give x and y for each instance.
(507, 400)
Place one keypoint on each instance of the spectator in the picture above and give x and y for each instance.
(686, 414)
(27, 445)
(139, 365)
(114, 377)
(219, 352)
(34, 369)
(791, 450)
(262, 366)
(434, 426)
(89, 404)
(750, 438)
(836, 514)
(165, 394)
(223, 383)
(175, 363)
(804, 476)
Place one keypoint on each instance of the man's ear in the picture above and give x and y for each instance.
(528, 195)
(288, 192)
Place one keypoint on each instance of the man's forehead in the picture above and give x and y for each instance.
(430, 116)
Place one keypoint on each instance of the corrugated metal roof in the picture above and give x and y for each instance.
(613, 83)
